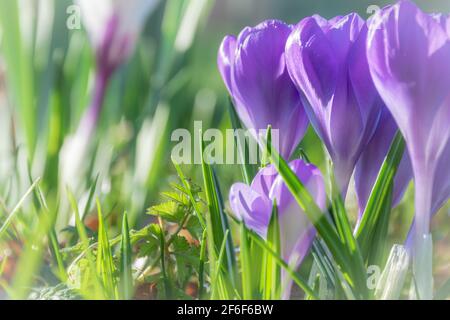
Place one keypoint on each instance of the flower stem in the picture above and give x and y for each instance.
(92, 114)
(422, 241)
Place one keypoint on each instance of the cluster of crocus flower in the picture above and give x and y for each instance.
(358, 82)
(113, 27)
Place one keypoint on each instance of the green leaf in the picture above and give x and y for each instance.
(186, 259)
(170, 211)
(180, 244)
(151, 242)
(188, 188)
(194, 227)
(176, 197)
(378, 208)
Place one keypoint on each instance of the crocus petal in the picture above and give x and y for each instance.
(264, 179)
(253, 208)
(254, 71)
(327, 61)
(444, 20)
(95, 16)
(369, 101)
(312, 65)
(309, 175)
(225, 59)
(321, 21)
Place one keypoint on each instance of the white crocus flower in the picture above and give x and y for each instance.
(113, 27)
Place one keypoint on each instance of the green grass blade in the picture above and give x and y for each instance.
(82, 234)
(345, 231)
(201, 268)
(52, 236)
(90, 198)
(246, 264)
(31, 259)
(231, 257)
(16, 209)
(218, 219)
(41, 206)
(307, 203)
(378, 245)
(191, 197)
(126, 275)
(105, 262)
(3, 266)
(163, 248)
(19, 62)
(218, 272)
(324, 264)
(294, 275)
(248, 170)
(272, 271)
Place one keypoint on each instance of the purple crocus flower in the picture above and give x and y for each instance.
(327, 61)
(254, 70)
(409, 58)
(253, 205)
(372, 158)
